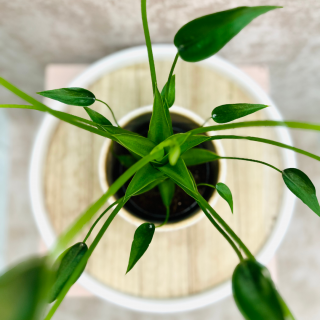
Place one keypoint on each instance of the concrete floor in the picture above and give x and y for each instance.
(35, 33)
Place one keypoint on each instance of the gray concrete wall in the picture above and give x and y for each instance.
(37, 32)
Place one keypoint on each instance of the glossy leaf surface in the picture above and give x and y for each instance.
(193, 141)
(254, 292)
(69, 261)
(230, 112)
(171, 92)
(160, 125)
(197, 156)
(141, 240)
(225, 193)
(180, 175)
(145, 177)
(137, 144)
(72, 96)
(97, 117)
(300, 185)
(22, 289)
(203, 37)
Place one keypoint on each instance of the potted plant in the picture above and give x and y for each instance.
(158, 157)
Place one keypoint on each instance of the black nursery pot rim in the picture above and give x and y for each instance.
(133, 219)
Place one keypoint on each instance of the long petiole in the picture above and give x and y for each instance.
(205, 122)
(202, 202)
(171, 73)
(113, 116)
(166, 219)
(148, 43)
(267, 141)
(259, 123)
(223, 233)
(83, 261)
(252, 160)
(101, 215)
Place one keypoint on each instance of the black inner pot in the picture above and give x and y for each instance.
(149, 206)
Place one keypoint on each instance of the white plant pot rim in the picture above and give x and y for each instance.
(129, 217)
(93, 73)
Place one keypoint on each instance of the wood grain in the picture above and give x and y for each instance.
(177, 263)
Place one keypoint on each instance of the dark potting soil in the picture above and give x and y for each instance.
(148, 206)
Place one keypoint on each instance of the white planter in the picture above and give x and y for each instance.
(89, 76)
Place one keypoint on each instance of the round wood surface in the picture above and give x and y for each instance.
(182, 262)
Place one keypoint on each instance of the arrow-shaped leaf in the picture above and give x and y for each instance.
(300, 184)
(171, 92)
(72, 96)
(97, 117)
(203, 37)
(69, 261)
(230, 112)
(225, 193)
(141, 240)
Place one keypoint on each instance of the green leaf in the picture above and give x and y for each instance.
(180, 175)
(167, 189)
(174, 154)
(225, 193)
(23, 289)
(137, 144)
(143, 179)
(285, 310)
(141, 240)
(72, 96)
(203, 37)
(197, 156)
(160, 125)
(230, 112)
(254, 292)
(97, 117)
(193, 141)
(300, 185)
(171, 92)
(172, 143)
(68, 261)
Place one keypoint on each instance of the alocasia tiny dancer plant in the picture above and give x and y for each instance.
(160, 160)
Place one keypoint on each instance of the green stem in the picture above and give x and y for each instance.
(259, 123)
(101, 215)
(206, 185)
(91, 211)
(171, 73)
(252, 160)
(267, 141)
(83, 261)
(202, 202)
(205, 122)
(66, 117)
(224, 234)
(113, 116)
(166, 219)
(148, 43)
